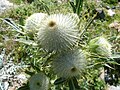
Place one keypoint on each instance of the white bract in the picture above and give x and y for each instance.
(39, 82)
(74, 16)
(33, 22)
(58, 32)
(70, 63)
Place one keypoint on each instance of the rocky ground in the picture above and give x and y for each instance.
(5, 5)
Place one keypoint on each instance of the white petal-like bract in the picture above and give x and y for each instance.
(74, 16)
(39, 82)
(58, 32)
(70, 63)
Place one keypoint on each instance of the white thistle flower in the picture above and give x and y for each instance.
(74, 16)
(70, 63)
(101, 46)
(33, 22)
(58, 32)
(39, 82)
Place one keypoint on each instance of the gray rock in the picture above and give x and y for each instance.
(5, 5)
(113, 88)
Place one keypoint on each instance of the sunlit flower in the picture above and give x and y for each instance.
(100, 46)
(70, 63)
(39, 82)
(58, 32)
(74, 16)
(33, 22)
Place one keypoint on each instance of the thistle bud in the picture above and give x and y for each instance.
(100, 46)
(70, 63)
(33, 22)
(39, 82)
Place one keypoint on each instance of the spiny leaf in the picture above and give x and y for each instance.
(73, 6)
(29, 72)
(59, 81)
(76, 83)
(12, 23)
(28, 42)
(24, 87)
(71, 85)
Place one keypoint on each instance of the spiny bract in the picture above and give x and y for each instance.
(58, 32)
(70, 63)
(100, 46)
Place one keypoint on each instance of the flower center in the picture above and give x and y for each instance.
(38, 84)
(51, 24)
(73, 69)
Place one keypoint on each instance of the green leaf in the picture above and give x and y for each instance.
(109, 66)
(116, 57)
(113, 62)
(12, 24)
(28, 42)
(59, 81)
(73, 7)
(25, 87)
(76, 83)
(93, 47)
(35, 67)
(79, 4)
(71, 85)
(29, 72)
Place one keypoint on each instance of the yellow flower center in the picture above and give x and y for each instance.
(73, 69)
(38, 84)
(51, 24)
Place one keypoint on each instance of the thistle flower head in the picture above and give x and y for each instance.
(39, 82)
(33, 22)
(100, 46)
(58, 32)
(74, 16)
(70, 63)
